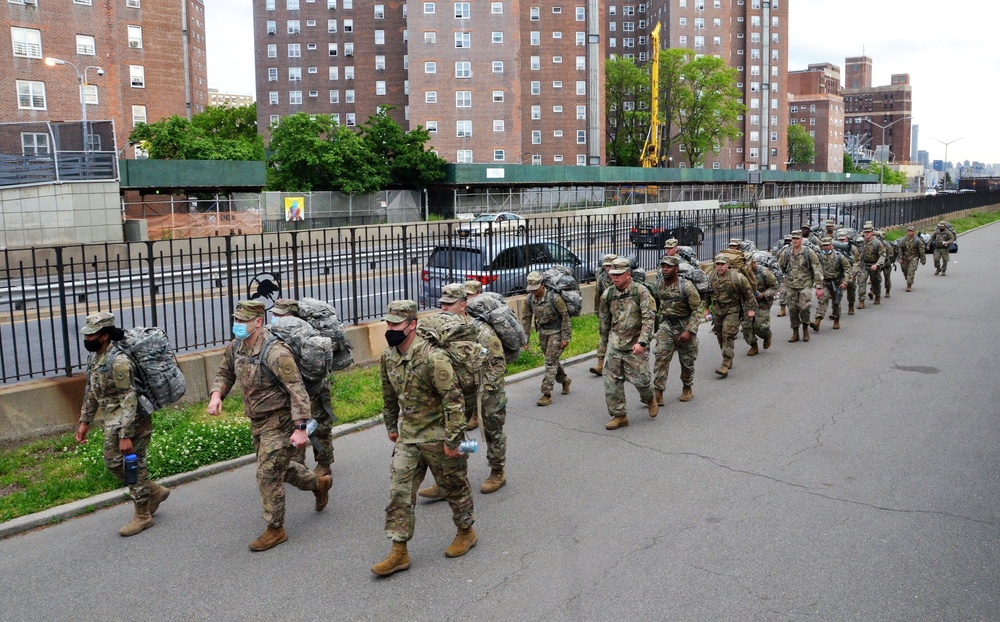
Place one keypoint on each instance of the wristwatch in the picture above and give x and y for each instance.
(301, 426)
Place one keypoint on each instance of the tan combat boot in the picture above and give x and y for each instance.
(322, 469)
(767, 342)
(158, 495)
(886, 295)
(861, 305)
(544, 400)
(398, 559)
(782, 312)
(322, 492)
(805, 332)
(565, 386)
(815, 324)
(795, 335)
(659, 397)
(753, 351)
(494, 482)
(141, 521)
(836, 324)
(617, 422)
(878, 300)
(464, 540)
(431, 492)
(723, 369)
(473, 423)
(850, 308)
(598, 370)
(652, 407)
(909, 288)
(686, 394)
(272, 537)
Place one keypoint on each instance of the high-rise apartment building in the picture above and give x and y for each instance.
(218, 98)
(492, 81)
(878, 118)
(151, 55)
(814, 102)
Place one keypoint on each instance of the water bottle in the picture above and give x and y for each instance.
(311, 426)
(131, 469)
(468, 446)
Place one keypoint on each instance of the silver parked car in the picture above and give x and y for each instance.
(500, 265)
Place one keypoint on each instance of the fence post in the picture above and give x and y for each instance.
(406, 263)
(229, 273)
(354, 275)
(151, 275)
(63, 310)
(295, 264)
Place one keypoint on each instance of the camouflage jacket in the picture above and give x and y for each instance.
(421, 397)
(550, 315)
(270, 400)
(872, 252)
(731, 290)
(802, 269)
(942, 239)
(112, 394)
(767, 285)
(855, 260)
(602, 282)
(627, 317)
(496, 365)
(835, 267)
(912, 248)
(676, 308)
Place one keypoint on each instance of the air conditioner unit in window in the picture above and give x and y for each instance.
(31, 2)
(133, 44)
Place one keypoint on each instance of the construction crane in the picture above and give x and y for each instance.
(651, 149)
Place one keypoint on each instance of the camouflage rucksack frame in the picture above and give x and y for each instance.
(459, 339)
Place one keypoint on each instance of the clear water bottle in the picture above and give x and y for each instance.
(131, 466)
(311, 426)
(469, 446)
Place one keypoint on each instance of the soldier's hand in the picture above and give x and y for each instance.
(638, 349)
(125, 445)
(684, 337)
(451, 453)
(563, 344)
(525, 347)
(81, 431)
(215, 405)
(843, 286)
(751, 313)
(876, 268)
(393, 436)
(299, 438)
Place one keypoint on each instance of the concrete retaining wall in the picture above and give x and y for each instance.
(53, 214)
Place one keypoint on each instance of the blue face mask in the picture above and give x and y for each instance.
(240, 330)
(827, 252)
(274, 321)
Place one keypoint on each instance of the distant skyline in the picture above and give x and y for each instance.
(948, 50)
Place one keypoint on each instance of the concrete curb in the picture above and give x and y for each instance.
(63, 512)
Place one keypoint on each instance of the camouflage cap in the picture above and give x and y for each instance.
(868, 227)
(806, 225)
(609, 259)
(721, 259)
(869, 223)
(473, 287)
(826, 240)
(788, 237)
(734, 241)
(796, 234)
(452, 293)
(285, 306)
(671, 243)
(621, 266)
(670, 260)
(831, 222)
(400, 311)
(534, 280)
(96, 321)
(942, 224)
(880, 233)
(911, 228)
(249, 310)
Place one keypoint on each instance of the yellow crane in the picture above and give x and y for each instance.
(651, 149)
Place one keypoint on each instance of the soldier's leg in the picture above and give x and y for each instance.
(762, 321)
(687, 354)
(614, 383)
(887, 278)
(114, 460)
(805, 306)
(551, 364)
(823, 302)
(941, 256)
(324, 433)
(405, 474)
(730, 328)
(863, 276)
(718, 315)
(637, 373)
(749, 331)
(274, 454)
(794, 303)
(911, 270)
(663, 351)
(876, 282)
(494, 417)
(451, 476)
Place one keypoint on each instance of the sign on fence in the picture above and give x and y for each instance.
(295, 208)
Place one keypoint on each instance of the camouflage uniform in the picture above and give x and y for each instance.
(730, 300)
(272, 401)
(890, 262)
(940, 242)
(759, 326)
(494, 396)
(802, 274)
(836, 272)
(872, 254)
(855, 274)
(601, 284)
(551, 320)
(627, 317)
(911, 251)
(678, 313)
(423, 403)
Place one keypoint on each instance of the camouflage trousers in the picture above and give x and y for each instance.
(758, 326)
(114, 459)
(409, 465)
(910, 269)
(622, 365)
(666, 345)
(726, 325)
(799, 303)
(551, 345)
(852, 288)
(493, 411)
(887, 275)
(322, 411)
(274, 468)
(941, 259)
(827, 298)
(864, 276)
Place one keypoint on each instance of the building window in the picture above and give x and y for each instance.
(581, 38)
(134, 4)
(581, 87)
(379, 37)
(432, 126)
(535, 63)
(349, 72)
(464, 156)
(349, 48)
(379, 11)
(137, 73)
(294, 97)
(462, 10)
(557, 84)
(27, 42)
(581, 160)
(34, 144)
(498, 66)
(536, 137)
(295, 74)
(536, 87)
(536, 112)
(428, 8)
(463, 99)
(557, 35)
(555, 158)
(463, 69)
(535, 38)
(272, 27)
(293, 27)
(497, 96)
(581, 14)
(331, 25)
(430, 67)
(294, 50)
(273, 119)
(292, 5)
(135, 36)
(30, 95)
(498, 125)
(380, 87)
(380, 63)
(534, 13)
(272, 50)
(90, 94)
(496, 8)
(85, 45)
(348, 25)
(87, 2)
(557, 109)
(463, 40)
(272, 74)
(313, 93)
(334, 73)
(556, 60)
(349, 96)
(139, 115)
(463, 129)
(310, 23)
(581, 113)
(581, 137)
(497, 37)
(498, 155)
(272, 98)
(431, 97)
(350, 120)
(430, 37)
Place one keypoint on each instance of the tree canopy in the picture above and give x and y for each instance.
(801, 148)
(625, 86)
(708, 107)
(219, 133)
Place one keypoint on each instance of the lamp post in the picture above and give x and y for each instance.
(82, 77)
(945, 166)
(881, 169)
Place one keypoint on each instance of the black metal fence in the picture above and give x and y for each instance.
(190, 287)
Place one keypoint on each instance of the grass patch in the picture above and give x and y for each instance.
(960, 225)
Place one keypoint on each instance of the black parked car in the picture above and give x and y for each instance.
(657, 230)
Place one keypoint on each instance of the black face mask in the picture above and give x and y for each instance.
(92, 345)
(395, 337)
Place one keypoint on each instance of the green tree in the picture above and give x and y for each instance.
(889, 176)
(707, 107)
(672, 63)
(801, 149)
(849, 166)
(411, 164)
(625, 85)
(219, 133)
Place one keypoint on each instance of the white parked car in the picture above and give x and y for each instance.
(492, 223)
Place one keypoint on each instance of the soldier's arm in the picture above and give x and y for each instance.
(89, 408)
(647, 308)
(226, 376)
(845, 270)
(694, 303)
(452, 401)
(282, 364)
(604, 314)
(526, 316)
(881, 256)
(122, 374)
(817, 269)
(747, 298)
(390, 400)
(770, 285)
(566, 331)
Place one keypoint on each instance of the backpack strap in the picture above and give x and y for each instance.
(262, 368)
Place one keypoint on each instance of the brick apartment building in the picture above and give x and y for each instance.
(152, 53)
(868, 109)
(492, 81)
(218, 98)
(815, 102)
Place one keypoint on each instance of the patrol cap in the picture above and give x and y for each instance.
(670, 260)
(869, 223)
(788, 237)
(285, 306)
(400, 311)
(942, 224)
(452, 293)
(831, 222)
(880, 233)
(96, 321)
(534, 280)
(721, 259)
(249, 310)
(826, 240)
(797, 234)
(734, 241)
(671, 243)
(806, 225)
(911, 228)
(473, 287)
(609, 259)
(868, 227)
(621, 266)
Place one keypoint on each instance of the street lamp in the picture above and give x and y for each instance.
(944, 167)
(881, 170)
(82, 77)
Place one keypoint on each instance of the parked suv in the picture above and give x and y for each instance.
(501, 266)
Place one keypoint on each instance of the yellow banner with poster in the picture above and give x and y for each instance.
(295, 208)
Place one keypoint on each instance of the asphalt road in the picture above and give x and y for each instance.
(851, 478)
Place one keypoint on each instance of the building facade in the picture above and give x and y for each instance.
(217, 98)
(815, 102)
(877, 118)
(141, 61)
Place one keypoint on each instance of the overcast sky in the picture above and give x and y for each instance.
(953, 58)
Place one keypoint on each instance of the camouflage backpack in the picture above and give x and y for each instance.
(739, 261)
(769, 261)
(313, 352)
(562, 281)
(158, 379)
(459, 339)
(323, 317)
(491, 308)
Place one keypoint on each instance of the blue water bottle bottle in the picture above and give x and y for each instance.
(131, 469)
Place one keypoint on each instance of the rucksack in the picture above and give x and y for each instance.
(769, 261)
(688, 254)
(652, 292)
(158, 379)
(323, 317)
(459, 339)
(561, 280)
(313, 352)
(697, 276)
(491, 308)
(738, 260)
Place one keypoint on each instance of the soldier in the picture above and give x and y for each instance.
(277, 404)
(731, 299)
(807, 234)
(473, 288)
(802, 274)
(551, 320)
(679, 303)
(424, 413)
(829, 228)
(939, 243)
(786, 246)
(759, 326)
(836, 271)
(890, 262)
(320, 406)
(671, 248)
(628, 315)
(855, 259)
(493, 400)
(911, 250)
(872, 260)
(601, 283)
(110, 393)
